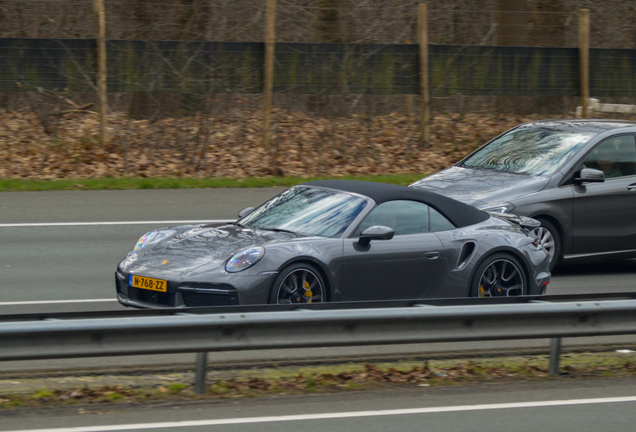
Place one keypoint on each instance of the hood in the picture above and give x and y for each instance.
(203, 245)
(480, 186)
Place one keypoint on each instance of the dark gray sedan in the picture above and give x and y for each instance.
(337, 241)
(577, 177)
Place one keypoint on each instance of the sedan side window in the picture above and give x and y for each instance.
(616, 157)
(404, 217)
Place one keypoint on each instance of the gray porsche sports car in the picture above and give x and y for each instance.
(337, 240)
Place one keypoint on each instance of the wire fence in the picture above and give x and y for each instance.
(344, 70)
(456, 22)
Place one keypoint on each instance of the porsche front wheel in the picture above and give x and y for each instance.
(297, 284)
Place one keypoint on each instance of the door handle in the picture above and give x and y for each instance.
(631, 187)
(432, 255)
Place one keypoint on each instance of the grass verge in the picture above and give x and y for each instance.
(275, 381)
(14, 185)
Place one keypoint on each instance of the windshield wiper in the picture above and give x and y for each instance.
(277, 230)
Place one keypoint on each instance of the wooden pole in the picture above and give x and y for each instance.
(584, 56)
(422, 39)
(100, 15)
(268, 85)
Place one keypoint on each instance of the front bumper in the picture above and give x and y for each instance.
(178, 294)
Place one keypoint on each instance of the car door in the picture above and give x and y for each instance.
(604, 214)
(403, 267)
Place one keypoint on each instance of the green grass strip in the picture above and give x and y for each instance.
(14, 185)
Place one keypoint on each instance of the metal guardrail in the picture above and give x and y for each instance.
(49, 339)
(375, 304)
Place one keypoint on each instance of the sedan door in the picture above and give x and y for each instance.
(604, 214)
(403, 267)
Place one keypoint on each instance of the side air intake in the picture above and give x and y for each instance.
(465, 254)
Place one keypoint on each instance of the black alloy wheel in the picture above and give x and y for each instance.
(500, 275)
(297, 284)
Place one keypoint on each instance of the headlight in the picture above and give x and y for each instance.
(244, 259)
(500, 207)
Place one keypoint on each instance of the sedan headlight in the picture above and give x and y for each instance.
(499, 207)
(244, 259)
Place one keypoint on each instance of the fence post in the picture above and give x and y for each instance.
(422, 39)
(584, 59)
(98, 6)
(268, 75)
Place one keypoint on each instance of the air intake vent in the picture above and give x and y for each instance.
(465, 255)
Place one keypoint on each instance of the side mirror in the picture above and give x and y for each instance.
(376, 232)
(590, 175)
(245, 212)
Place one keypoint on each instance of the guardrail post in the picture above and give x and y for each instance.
(555, 356)
(200, 371)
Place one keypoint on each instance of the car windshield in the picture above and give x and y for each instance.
(307, 210)
(533, 149)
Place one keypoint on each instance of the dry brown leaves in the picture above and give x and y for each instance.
(230, 145)
(373, 374)
(370, 377)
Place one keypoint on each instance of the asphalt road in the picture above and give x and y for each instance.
(59, 251)
(565, 406)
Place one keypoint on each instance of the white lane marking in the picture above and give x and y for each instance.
(248, 420)
(168, 222)
(56, 301)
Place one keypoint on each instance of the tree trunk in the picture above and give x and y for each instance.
(140, 106)
(512, 19)
(330, 28)
(550, 23)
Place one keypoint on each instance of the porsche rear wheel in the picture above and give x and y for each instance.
(297, 284)
(500, 275)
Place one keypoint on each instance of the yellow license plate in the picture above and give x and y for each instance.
(147, 283)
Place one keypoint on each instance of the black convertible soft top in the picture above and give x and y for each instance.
(457, 212)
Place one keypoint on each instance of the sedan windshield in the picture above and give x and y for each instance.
(307, 210)
(532, 149)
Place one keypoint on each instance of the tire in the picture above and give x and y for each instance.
(297, 284)
(499, 275)
(550, 240)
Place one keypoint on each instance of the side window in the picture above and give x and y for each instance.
(616, 157)
(404, 217)
(439, 222)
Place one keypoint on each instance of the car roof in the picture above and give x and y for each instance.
(458, 213)
(582, 125)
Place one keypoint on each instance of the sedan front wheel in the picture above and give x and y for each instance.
(549, 240)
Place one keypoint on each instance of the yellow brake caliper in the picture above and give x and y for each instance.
(481, 291)
(308, 292)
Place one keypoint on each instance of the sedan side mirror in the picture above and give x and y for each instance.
(245, 212)
(590, 175)
(376, 232)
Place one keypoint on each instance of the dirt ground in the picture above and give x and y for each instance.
(229, 146)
